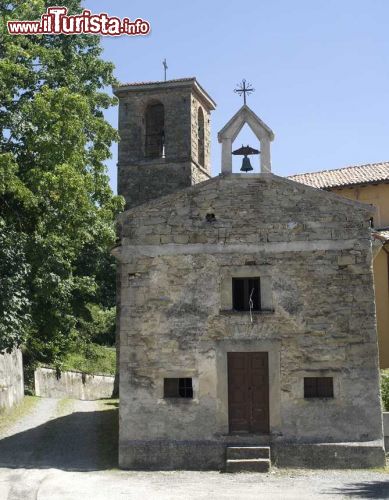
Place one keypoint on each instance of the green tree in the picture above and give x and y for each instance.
(54, 188)
(14, 302)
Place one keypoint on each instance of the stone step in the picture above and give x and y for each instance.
(248, 465)
(246, 439)
(242, 452)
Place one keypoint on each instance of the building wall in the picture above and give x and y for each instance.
(381, 283)
(377, 195)
(11, 379)
(316, 253)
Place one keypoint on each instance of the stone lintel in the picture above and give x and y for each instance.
(125, 253)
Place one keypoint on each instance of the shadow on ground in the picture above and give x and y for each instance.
(111, 403)
(369, 489)
(81, 441)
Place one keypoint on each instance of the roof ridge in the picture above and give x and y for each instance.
(341, 168)
(153, 82)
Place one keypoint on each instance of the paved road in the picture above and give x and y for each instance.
(67, 451)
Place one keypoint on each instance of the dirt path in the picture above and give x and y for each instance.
(56, 434)
(65, 450)
(64, 434)
(54, 484)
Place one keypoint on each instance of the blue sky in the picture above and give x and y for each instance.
(320, 69)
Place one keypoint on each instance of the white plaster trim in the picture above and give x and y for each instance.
(244, 115)
(125, 253)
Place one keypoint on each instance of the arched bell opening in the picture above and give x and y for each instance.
(201, 137)
(245, 152)
(155, 130)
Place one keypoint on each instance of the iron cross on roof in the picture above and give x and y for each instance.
(165, 67)
(244, 88)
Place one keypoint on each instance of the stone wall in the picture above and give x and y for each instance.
(75, 385)
(385, 416)
(11, 379)
(151, 179)
(196, 104)
(314, 249)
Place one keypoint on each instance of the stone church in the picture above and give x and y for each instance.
(246, 304)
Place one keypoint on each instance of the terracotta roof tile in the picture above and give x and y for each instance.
(347, 176)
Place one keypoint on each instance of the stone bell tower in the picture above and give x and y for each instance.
(230, 131)
(164, 130)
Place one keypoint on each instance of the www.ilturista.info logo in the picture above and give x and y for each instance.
(56, 22)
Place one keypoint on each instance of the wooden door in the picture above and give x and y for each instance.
(248, 392)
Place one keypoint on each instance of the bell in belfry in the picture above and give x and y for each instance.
(246, 165)
(245, 151)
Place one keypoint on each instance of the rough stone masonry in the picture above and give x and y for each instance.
(311, 251)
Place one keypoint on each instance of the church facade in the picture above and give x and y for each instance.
(246, 303)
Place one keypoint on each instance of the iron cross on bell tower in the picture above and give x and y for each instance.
(244, 88)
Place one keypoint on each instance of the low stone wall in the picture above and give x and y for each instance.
(75, 385)
(11, 379)
(211, 455)
(330, 455)
(385, 416)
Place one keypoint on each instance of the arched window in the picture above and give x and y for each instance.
(155, 134)
(200, 145)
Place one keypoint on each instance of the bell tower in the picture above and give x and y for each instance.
(230, 131)
(164, 130)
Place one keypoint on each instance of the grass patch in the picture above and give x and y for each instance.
(64, 406)
(92, 359)
(10, 417)
(383, 470)
(385, 389)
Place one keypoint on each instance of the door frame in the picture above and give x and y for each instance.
(249, 345)
(248, 403)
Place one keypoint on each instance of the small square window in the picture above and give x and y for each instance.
(246, 294)
(178, 388)
(318, 387)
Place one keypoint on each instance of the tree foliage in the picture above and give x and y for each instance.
(385, 389)
(14, 302)
(54, 189)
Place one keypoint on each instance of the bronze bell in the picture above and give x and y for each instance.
(246, 165)
(245, 151)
